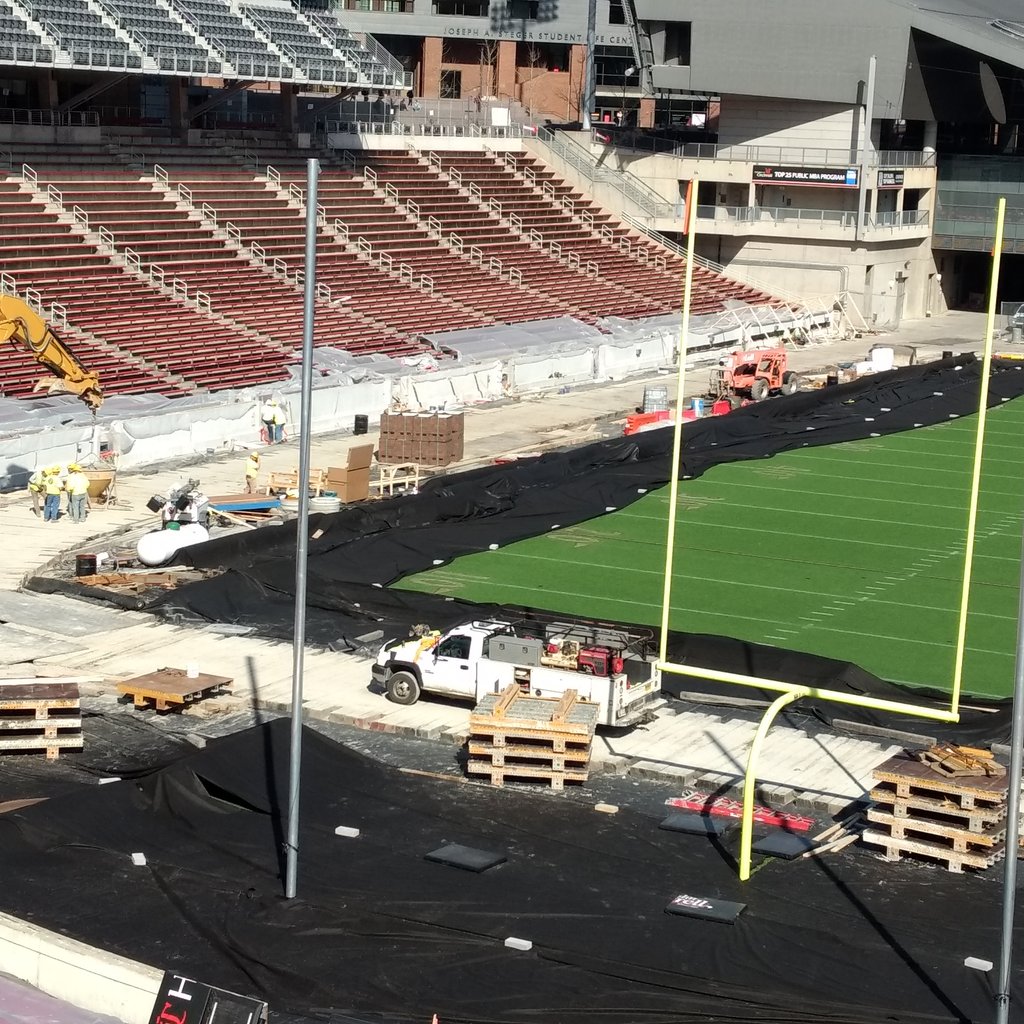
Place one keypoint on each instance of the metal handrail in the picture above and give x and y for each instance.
(795, 156)
(49, 118)
(716, 268)
(823, 218)
(586, 163)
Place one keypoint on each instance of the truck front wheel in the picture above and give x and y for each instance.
(403, 688)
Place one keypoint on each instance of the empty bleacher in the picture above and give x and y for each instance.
(18, 40)
(83, 34)
(40, 251)
(478, 226)
(392, 277)
(289, 32)
(230, 35)
(162, 37)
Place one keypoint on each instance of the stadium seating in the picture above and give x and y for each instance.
(18, 40)
(229, 34)
(378, 313)
(296, 39)
(478, 226)
(120, 372)
(522, 191)
(83, 34)
(385, 250)
(162, 37)
(39, 251)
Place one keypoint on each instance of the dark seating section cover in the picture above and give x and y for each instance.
(356, 553)
(381, 934)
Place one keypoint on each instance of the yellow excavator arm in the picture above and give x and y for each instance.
(22, 326)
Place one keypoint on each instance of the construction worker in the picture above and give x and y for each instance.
(279, 421)
(267, 416)
(53, 486)
(252, 472)
(36, 490)
(77, 486)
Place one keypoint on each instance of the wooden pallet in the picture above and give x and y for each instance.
(508, 755)
(954, 860)
(40, 716)
(556, 778)
(169, 689)
(962, 840)
(957, 820)
(515, 734)
(910, 778)
(514, 715)
(943, 808)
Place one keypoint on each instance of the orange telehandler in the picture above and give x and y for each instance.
(21, 325)
(754, 374)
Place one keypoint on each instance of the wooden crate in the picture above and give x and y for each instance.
(168, 689)
(960, 822)
(513, 734)
(40, 716)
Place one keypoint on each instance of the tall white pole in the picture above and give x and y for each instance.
(301, 535)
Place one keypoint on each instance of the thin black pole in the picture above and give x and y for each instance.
(301, 534)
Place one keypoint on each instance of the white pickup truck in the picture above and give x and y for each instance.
(613, 667)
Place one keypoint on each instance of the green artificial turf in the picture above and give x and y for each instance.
(854, 551)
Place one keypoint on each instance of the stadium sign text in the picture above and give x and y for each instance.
(890, 178)
(531, 35)
(829, 177)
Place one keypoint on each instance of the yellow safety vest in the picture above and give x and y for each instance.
(77, 483)
(52, 485)
(252, 466)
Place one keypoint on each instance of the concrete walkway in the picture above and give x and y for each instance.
(50, 635)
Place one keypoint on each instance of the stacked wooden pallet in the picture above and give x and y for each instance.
(40, 716)
(960, 822)
(170, 689)
(512, 734)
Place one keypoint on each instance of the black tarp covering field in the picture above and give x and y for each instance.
(361, 550)
(380, 933)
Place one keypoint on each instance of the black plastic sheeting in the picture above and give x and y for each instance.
(362, 549)
(382, 934)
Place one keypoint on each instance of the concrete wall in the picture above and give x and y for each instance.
(85, 135)
(88, 978)
(228, 422)
(760, 121)
(811, 268)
